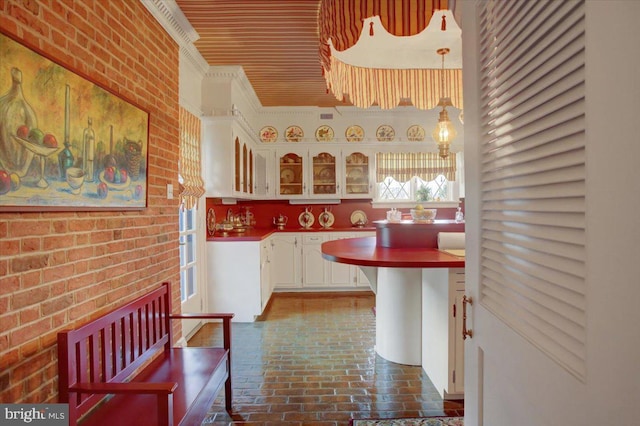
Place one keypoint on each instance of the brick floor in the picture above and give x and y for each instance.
(310, 360)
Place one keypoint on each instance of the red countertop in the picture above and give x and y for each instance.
(259, 234)
(365, 252)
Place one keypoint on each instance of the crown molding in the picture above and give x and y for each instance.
(169, 15)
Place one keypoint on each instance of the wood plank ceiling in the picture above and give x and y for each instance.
(276, 42)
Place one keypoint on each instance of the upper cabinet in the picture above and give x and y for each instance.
(229, 161)
(324, 174)
(291, 169)
(358, 174)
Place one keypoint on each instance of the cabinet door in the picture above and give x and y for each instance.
(456, 342)
(291, 168)
(286, 261)
(261, 176)
(324, 175)
(358, 175)
(266, 287)
(342, 274)
(314, 267)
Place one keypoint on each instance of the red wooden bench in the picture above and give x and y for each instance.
(121, 369)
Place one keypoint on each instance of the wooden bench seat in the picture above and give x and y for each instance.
(127, 354)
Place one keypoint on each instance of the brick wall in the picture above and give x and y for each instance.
(60, 269)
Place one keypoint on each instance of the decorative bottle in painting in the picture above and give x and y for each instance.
(65, 160)
(15, 112)
(65, 157)
(88, 152)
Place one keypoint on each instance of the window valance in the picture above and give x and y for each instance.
(402, 166)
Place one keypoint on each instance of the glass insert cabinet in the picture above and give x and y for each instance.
(357, 175)
(323, 174)
(291, 175)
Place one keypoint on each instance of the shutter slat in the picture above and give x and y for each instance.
(567, 235)
(527, 175)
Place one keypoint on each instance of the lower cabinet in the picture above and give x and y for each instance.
(286, 266)
(236, 281)
(442, 343)
(314, 267)
(242, 275)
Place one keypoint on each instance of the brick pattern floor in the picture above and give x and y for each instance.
(311, 361)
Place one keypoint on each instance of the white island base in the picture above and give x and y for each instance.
(399, 315)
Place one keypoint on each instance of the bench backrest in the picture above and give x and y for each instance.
(112, 347)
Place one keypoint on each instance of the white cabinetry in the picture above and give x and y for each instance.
(228, 158)
(263, 163)
(358, 175)
(313, 173)
(234, 279)
(442, 343)
(314, 267)
(266, 284)
(286, 260)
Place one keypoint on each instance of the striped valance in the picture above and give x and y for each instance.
(402, 166)
(191, 182)
(387, 87)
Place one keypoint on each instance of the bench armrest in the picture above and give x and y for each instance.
(125, 388)
(202, 316)
(226, 324)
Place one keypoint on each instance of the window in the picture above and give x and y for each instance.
(415, 189)
(188, 247)
(422, 176)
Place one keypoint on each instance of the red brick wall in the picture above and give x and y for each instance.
(61, 269)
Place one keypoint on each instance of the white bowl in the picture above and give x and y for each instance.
(75, 179)
(424, 214)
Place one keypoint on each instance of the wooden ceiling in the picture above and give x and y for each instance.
(276, 43)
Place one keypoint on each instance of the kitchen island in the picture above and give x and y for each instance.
(403, 265)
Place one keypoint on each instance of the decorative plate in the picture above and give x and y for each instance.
(287, 176)
(324, 134)
(385, 133)
(354, 133)
(211, 221)
(326, 175)
(293, 134)
(415, 133)
(268, 134)
(358, 218)
(355, 174)
(326, 219)
(306, 219)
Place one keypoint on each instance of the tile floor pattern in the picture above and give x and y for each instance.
(311, 361)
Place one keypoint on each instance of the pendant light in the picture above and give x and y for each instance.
(444, 132)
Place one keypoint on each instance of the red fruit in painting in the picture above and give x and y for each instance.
(5, 182)
(50, 141)
(23, 131)
(110, 174)
(103, 190)
(123, 175)
(138, 194)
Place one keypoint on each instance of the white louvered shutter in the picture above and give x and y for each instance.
(533, 173)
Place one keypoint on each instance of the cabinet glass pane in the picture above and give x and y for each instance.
(357, 173)
(324, 174)
(291, 174)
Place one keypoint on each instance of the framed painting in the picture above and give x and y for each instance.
(66, 143)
